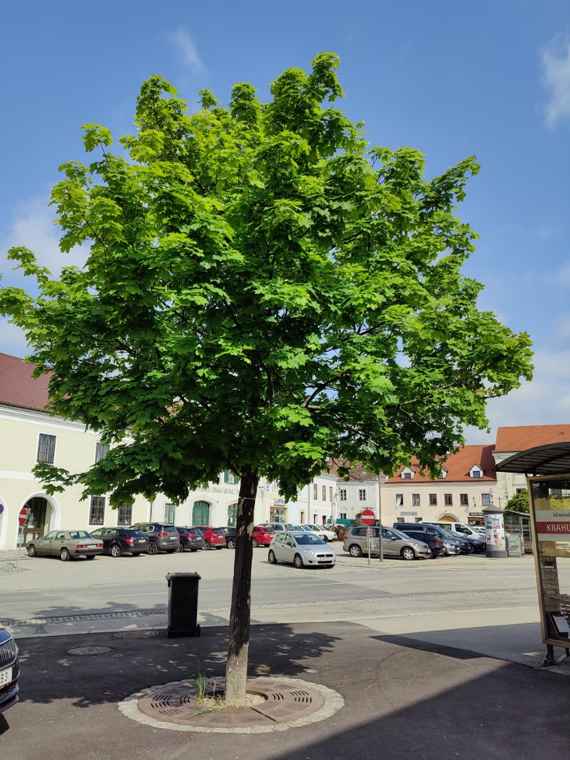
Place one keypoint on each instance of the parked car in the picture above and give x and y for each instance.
(460, 530)
(454, 542)
(394, 543)
(426, 533)
(214, 538)
(278, 527)
(301, 549)
(160, 537)
(230, 536)
(66, 544)
(9, 670)
(119, 541)
(326, 533)
(262, 535)
(191, 539)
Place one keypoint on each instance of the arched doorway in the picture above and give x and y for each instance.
(201, 513)
(34, 519)
(232, 515)
(448, 518)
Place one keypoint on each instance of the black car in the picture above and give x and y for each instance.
(9, 670)
(161, 538)
(230, 536)
(466, 546)
(429, 534)
(118, 541)
(191, 539)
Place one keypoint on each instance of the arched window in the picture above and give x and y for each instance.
(201, 513)
(232, 515)
(476, 472)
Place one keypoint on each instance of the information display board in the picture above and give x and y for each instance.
(550, 515)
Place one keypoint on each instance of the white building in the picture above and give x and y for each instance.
(467, 485)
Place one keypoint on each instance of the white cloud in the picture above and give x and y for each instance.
(556, 76)
(182, 40)
(34, 227)
(543, 401)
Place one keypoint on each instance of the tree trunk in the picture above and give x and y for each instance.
(238, 649)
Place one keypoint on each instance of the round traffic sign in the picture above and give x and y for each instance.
(367, 516)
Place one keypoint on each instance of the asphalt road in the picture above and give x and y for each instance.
(470, 602)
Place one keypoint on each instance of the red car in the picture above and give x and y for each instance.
(262, 535)
(214, 537)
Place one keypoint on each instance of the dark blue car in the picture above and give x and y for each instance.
(9, 670)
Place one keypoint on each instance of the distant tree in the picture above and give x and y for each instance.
(518, 502)
(264, 292)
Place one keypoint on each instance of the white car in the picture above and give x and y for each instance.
(300, 548)
(320, 530)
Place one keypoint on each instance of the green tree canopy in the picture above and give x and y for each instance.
(265, 291)
(518, 502)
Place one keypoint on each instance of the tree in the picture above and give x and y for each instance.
(518, 502)
(264, 292)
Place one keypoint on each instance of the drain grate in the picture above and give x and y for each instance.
(88, 651)
(274, 704)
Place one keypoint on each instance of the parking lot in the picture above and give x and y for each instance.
(467, 601)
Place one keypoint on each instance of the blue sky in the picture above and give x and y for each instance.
(491, 79)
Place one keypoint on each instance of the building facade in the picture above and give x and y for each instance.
(467, 485)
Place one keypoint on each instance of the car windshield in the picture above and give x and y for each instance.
(399, 534)
(308, 538)
(294, 527)
(264, 529)
(79, 534)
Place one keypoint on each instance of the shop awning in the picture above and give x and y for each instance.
(552, 459)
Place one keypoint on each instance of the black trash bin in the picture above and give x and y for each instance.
(183, 604)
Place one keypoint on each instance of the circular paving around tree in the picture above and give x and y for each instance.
(274, 704)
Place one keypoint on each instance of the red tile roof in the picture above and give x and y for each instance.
(521, 437)
(18, 387)
(458, 466)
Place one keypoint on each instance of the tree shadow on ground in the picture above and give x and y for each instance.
(138, 659)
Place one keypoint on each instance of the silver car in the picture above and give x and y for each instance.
(394, 543)
(301, 549)
(66, 544)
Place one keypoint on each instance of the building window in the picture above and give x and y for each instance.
(464, 499)
(125, 514)
(486, 500)
(46, 448)
(330, 494)
(399, 499)
(342, 492)
(448, 499)
(324, 493)
(343, 515)
(97, 510)
(407, 474)
(170, 514)
(101, 451)
(230, 478)
(315, 518)
(362, 494)
(416, 500)
(433, 500)
(475, 472)
(315, 491)
(521, 490)
(302, 518)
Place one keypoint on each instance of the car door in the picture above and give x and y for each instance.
(391, 543)
(57, 543)
(42, 544)
(290, 548)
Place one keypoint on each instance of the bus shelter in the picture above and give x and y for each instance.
(547, 470)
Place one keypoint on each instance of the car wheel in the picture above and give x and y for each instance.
(231, 544)
(325, 539)
(31, 550)
(408, 553)
(354, 550)
(181, 547)
(470, 549)
(153, 549)
(272, 559)
(298, 561)
(64, 555)
(116, 550)
(172, 551)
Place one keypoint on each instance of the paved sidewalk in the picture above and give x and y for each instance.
(402, 698)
